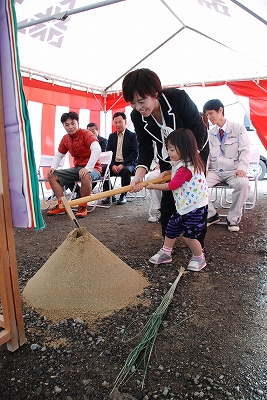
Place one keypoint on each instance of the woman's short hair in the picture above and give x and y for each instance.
(142, 81)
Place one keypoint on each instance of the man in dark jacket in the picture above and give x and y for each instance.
(123, 144)
(92, 127)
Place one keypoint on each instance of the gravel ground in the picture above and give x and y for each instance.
(211, 344)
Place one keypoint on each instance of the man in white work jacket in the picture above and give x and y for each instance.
(228, 161)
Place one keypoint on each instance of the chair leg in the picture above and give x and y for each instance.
(45, 203)
(251, 204)
(212, 190)
(98, 203)
(72, 192)
(223, 199)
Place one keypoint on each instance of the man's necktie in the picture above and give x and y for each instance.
(221, 132)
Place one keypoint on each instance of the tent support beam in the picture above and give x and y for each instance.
(144, 58)
(56, 78)
(249, 11)
(220, 43)
(176, 33)
(218, 83)
(105, 112)
(65, 14)
(100, 90)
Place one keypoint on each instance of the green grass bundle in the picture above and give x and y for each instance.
(142, 352)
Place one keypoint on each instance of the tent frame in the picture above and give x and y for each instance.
(104, 91)
(108, 102)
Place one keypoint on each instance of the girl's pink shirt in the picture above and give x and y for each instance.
(182, 175)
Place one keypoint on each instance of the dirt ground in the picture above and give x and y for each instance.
(211, 344)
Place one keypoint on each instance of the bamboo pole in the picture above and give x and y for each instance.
(112, 192)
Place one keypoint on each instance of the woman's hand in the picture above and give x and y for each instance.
(135, 181)
(139, 177)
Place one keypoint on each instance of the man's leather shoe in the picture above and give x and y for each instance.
(107, 200)
(122, 200)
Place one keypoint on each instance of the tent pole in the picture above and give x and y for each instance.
(65, 14)
(105, 112)
(148, 55)
(249, 11)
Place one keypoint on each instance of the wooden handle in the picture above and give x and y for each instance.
(112, 192)
(69, 211)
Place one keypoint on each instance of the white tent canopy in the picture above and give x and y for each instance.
(184, 42)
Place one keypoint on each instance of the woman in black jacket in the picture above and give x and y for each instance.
(156, 113)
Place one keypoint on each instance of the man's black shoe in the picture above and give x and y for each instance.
(122, 200)
(213, 220)
(107, 200)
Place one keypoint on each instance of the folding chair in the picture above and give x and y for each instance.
(252, 174)
(142, 194)
(105, 160)
(44, 164)
(139, 195)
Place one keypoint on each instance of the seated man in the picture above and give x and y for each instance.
(92, 127)
(123, 144)
(228, 161)
(85, 150)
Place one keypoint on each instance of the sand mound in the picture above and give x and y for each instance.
(83, 279)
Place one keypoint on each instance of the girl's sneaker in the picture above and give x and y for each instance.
(160, 258)
(197, 263)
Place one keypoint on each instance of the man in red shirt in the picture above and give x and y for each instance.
(84, 147)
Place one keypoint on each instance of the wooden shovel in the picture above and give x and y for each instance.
(70, 212)
(112, 192)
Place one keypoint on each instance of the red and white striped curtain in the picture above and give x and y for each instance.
(46, 103)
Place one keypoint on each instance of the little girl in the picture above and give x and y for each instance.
(190, 193)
